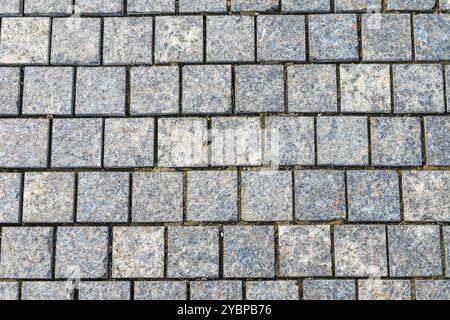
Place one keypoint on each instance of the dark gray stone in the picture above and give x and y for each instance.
(431, 37)
(160, 290)
(9, 90)
(376, 289)
(10, 186)
(272, 290)
(329, 290)
(104, 290)
(216, 290)
(437, 135)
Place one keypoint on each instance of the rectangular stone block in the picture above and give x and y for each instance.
(375, 289)
(413, 5)
(357, 5)
(216, 290)
(10, 8)
(203, 6)
(272, 290)
(437, 135)
(329, 290)
(9, 291)
(431, 37)
(10, 194)
(306, 6)
(9, 90)
(160, 290)
(46, 291)
(100, 6)
(446, 238)
(47, 7)
(104, 290)
(433, 290)
(150, 6)
(255, 5)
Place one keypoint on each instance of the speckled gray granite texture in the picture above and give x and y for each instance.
(224, 150)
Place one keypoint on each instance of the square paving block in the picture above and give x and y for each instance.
(433, 289)
(10, 8)
(431, 37)
(9, 291)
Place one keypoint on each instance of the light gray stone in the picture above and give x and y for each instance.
(306, 5)
(216, 290)
(413, 5)
(100, 6)
(444, 4)
(160, 290)
(266, 196)
(47, 290)
(83, 248)
(154, 90)
(447, 83)
(104, 290)
(48, 7)
(138, 252)
(193, 252)
(437, 135)
(100, 91)
(10, 8)
(329, 290)
(305, 251)
(230, 39)
(376, 289)
(24, 143)
(24, 40)
(48, 197)
(103, 197)
(151, 6)
(77, 142)
(157, 197)
(414, 251)
(26, 252)
(203, 6)
(272, 290)
(212, 195)
(9, 91)
(446, 238)
(433, 289)
(358, 5)
(10, 194)
(47, 90)
(360, 251)
(129, 142)
(207, 89)
(312, 88)
(431, 37)
(255, 5)
(259, 88)
(9, 291)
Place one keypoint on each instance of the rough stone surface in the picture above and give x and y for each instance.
(329, 290)
(46, 290)
(396, 141)
(100, 6)
(104, 290)
(10, 186)
(193, 252)
(431, 37)
(150, 6)
(306, 5)
(138, 252)
(414, 251)
(433, 289)
(47, 7)
(203, 6)
(416, 5)
(9, 90)
(360, 251)
(216, 290)
(9, 291)
(255, 5)
(375, 289)
(272, 290)
(249, 252)
(26, 252)
(437, 135)
(48, 197)
(10, 8)
(160, 290)
(83, 248)
(446, 238)
(212, 196)
(357, 5)
(103, 197)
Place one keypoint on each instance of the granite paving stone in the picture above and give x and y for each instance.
(9, 291)
(437, 135)
(46, 290)
(433, 289)
(272, 290)
(446, 239)
(138, 252)
(26, 252)
(212, 196)
(358, 5)
(100, 6)
(376, 289)
(248, 251)
(216, 290)
(104, 290)
(203, 6)
(83, 248)
(10, 8)
(150, 6)
(329, 290)
(444, 4)
(306, 6)
(48, 7)
(414, 251)
(48, 197)
(193, 252)
(102, 197)
(431, 37)
(10, 194)
(447, 83)
(76, 142)
(416, 5)
(255, 5)
(396, 141)
(160, 290)
(9, 90)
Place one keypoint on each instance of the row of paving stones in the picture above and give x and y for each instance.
(129, 40)
(231, 141)
(210, 89)
(399, 251)
(117, 7)
(212, 196)
(231, 290)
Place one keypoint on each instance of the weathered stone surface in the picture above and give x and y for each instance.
(357, 5)
(272, 290)
(255, 5)
(9, 291)
(376, 289)
(306, 5)
(84, 249)
(444, 4)
(138, 252)
(305, 251)
(76, 143)
(373, 196)
(414, 251)
(104, 290)
(249, 252)
(259, 88)
(433, 289)
(76, 41)
(150, 6)
(129, 142)
(48, 197)
(319, 195)
(100, 91)
(10, 8)
(216, 290)
(396, 141)
(160, 290)
(230, 39)
(26, 252)
(329, 290)
(446, 238)
(10, 186)
(365, 88)
(203, 6)
(212, 195)
(24, 143)
(418, 88)
(425, 195)
(437, 135)
(154, 90)
(342, 141)
(47, 90)
(9, 90)
(178, 39)
(333, 37)
(207, 89)
(266, 195)
(100, 6)
(52, 7)
(157, 197)
(46, 290)
(281, 38)
(431, 37)
(24, 40)
(386, 37)
(312, 88)
(360, 251)
(193, 252)
(416, 5)
(103, 197)
(447, 82)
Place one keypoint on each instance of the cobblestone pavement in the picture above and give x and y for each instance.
(213, 149)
